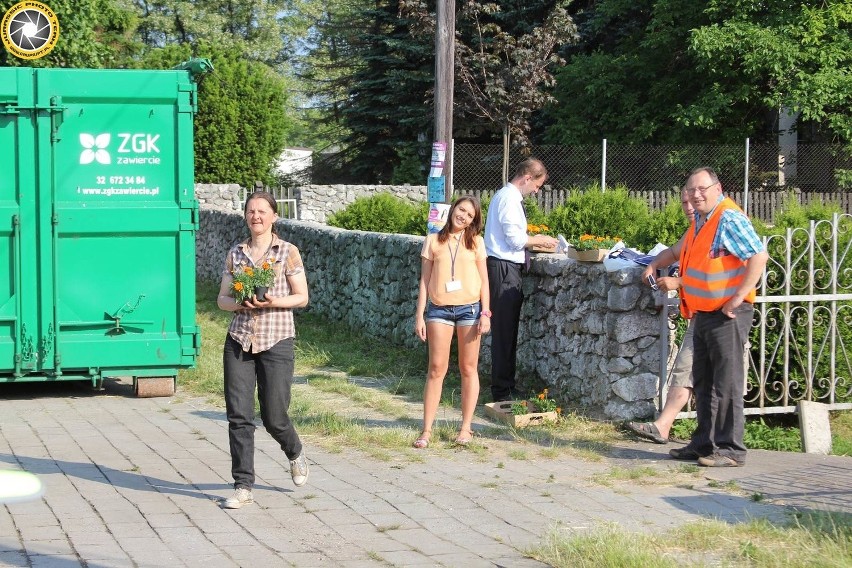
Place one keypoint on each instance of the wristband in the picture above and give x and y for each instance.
(486, 313)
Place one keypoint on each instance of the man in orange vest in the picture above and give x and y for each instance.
(721, 261)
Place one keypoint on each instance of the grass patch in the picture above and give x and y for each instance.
(321, 345)
(639, 475)
(841, 433)
(572, 435)
(818, 539)
(368, 398)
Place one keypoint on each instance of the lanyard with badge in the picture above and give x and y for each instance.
(453, 285)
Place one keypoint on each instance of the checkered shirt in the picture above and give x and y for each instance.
(259, 329)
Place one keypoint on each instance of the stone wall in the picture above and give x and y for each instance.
(314, 202)
(592, 336)
(317, 202)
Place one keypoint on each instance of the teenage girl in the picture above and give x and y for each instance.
(453, 298)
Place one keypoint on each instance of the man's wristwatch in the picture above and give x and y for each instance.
(486, 313)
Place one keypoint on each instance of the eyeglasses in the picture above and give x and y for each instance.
(699, 189)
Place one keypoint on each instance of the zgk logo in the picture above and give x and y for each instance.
(95, 148)
(30, 30)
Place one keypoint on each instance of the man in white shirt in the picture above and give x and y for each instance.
(506, 241)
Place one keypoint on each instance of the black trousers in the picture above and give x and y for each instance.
(271, 372)
(504, 280)
(718, 375)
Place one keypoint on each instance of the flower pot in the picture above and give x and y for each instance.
(260, 292)
(503, 411)
(593, 255)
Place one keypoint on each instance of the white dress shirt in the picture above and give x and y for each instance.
(506, 225)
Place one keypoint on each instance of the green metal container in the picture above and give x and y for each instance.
(97, 225)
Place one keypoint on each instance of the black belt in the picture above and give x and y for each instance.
(518, 264)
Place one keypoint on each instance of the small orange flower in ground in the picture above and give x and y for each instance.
(536, 403)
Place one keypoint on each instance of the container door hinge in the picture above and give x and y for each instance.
(192, 206)
(57, 117)
(191, 335)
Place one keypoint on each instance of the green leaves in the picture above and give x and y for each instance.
(382, 213)
(673, 71)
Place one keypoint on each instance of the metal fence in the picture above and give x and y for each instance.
(801, 339)
(813, 172)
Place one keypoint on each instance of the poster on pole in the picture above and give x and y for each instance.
(435, 187)
(439, 154)
(437, 216)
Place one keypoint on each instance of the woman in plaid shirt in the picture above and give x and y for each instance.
(259, 350)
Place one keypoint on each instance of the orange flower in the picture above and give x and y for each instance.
(249, 271)
(541, 396)
(238, 286)
(265, 265)
(558, 410)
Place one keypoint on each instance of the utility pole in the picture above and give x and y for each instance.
(445, 40)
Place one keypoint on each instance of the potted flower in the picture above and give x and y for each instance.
(592, 248)
(540, 229)
(252, 281)
(538, 409)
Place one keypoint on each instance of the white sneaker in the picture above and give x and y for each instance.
(299, 470)
(242, 496)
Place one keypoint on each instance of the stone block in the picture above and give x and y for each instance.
(815, 427)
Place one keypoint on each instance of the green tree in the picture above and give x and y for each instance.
(262, 30)
(388, 109)
(241, 125)
(505, 54)
(677, 71)
(92, 34)
(505, 70)
(626, 79)
(324, 70)
(795, 55)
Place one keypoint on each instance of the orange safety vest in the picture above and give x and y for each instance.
(709, 282)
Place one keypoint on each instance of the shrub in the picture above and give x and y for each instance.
(595, 212)
(665, 226)
(382, 213)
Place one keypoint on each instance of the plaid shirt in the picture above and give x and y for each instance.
(736, 234)
(259, 329)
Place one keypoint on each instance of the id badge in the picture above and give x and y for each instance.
(453, 285)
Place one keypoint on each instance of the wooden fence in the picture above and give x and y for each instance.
(762, 205)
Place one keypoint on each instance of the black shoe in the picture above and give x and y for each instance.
(684, 453)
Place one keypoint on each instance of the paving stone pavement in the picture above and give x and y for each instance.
(137, 482)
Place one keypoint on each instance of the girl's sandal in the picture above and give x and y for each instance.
(464, 437)
(423, 441)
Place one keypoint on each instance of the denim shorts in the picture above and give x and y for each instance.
(457, 316)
